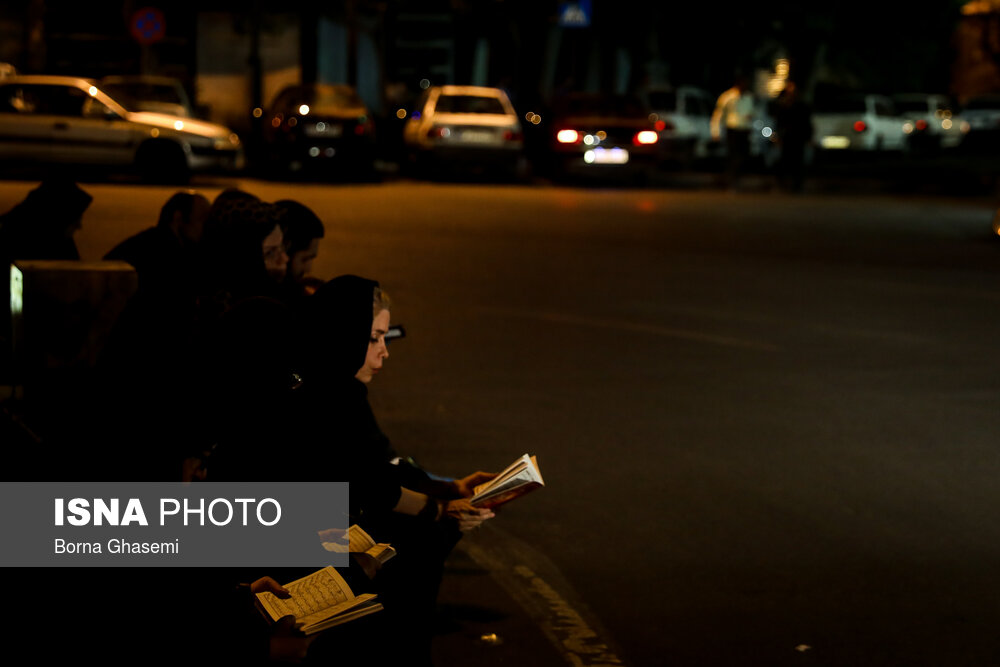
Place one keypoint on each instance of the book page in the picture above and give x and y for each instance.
(381, 552)
(523, 477)
(509, 471)
(360, 540)
(355, 541)
(311, 594)
(323, 617)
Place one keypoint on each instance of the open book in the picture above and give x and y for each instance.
(319, 601)
(520, 477)
(357, 542)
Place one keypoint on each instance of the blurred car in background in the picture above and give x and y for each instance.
(469, 127)
(159, 94)
(857, 122)
(983, 116)
(600, 134)
(683, 121)
(319, 126)
(930, 122)
(71, 121)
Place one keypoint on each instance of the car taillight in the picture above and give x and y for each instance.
(439, 132)
(860, 126)
(662, 125)
(568, 137)
(511, 135)
(645, 138)
(921, 124)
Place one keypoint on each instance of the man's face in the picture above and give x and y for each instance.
(275, 259)
(300, 262)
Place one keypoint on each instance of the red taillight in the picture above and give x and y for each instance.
(645, 138)
(662, 125)
(921, 125)
(511, 135)
(568, 136)
(860, 126)
(438, 132)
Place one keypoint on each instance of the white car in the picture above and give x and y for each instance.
(161, 94)
(67, 120)
(464, 125)
(857, 122)
(983, 116)
(683, 120)
(929, 121)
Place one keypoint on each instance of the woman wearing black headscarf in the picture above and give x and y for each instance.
(346, 322)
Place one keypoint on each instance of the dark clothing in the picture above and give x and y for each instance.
(40, 227)
(737, 154)
(161, 261)
(793, 125)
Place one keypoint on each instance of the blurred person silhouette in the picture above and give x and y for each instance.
(40, 227)
(794, 129)
(164, 256)
(734, 111)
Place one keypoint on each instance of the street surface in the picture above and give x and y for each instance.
(767, 423)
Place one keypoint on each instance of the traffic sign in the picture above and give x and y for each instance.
(575, 14)
(148, 25)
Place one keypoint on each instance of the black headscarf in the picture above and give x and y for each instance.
(231, 254)
(338, 320)
(42, 226)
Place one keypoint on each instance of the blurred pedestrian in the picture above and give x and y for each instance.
(794, 128)
(734, 111)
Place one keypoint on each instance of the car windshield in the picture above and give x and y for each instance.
(469, 104)
(600, 105)
(133, 95)
(320, 99)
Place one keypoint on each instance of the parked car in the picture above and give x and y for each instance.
(857, 122)
(67, 120)
(682, 116)
(159, 94)
(466, 127)
(594, 134)
(317, 126)
(930, 122)
(983, 116)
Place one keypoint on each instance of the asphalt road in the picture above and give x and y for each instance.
(767, 423)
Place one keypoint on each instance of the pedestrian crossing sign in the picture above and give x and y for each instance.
(574, 14)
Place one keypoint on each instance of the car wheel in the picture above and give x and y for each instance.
(162, 162)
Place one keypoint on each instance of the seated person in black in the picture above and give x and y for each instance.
(345, 324)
